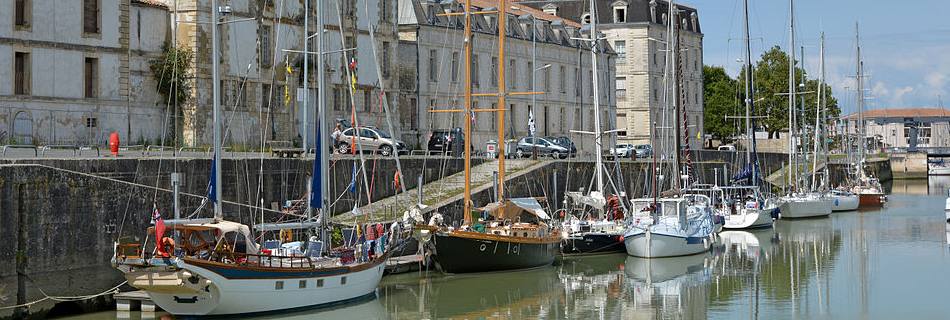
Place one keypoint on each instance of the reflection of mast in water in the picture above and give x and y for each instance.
(807, 247)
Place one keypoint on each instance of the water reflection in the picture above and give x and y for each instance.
(669, 287)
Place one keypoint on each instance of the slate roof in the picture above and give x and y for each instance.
(901, 113)
(638, 11)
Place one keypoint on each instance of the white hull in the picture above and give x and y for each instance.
(240, 296)
(844, 202)
(938, 171)
(805, 207)
(749, 219)
(653, 245)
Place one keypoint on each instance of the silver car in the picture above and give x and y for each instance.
(370, 139)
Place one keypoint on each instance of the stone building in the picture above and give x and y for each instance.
(75, 71)
(432, 73)
(898, 128)
(637, 30)
(259, 96)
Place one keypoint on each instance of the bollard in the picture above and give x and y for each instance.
(114, 143)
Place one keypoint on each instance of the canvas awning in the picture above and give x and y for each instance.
(514, 207)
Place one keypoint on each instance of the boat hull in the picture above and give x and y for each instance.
(805, 208)
(845, 203)
(230, 296)
(656, 245)
(872, 199)
(592, 243)
(750, 219)
(468, 252)
(938, 171)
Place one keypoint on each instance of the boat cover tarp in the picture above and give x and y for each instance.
(514, 207)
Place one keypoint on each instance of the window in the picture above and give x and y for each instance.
(265, 47)
(455, 66)
(386, 64)
(547, 79)
(368, 101)
(621, 88)
(432, 103)
(562, 79)
(343, 281)
(302, 284)
(319, 283)
(21, 73)
(591, 81)
(654, 59)
(512, 73)
(494, 124)
(92, 122)
(494, 71)
(337, 95)
(21, 15)
(577, 84)
(620, 14)
(91, 77)
(266, 96)
(279, 285)
(384, 10)
(90, 16)
(550, 9)
(531, 76)
(433, 68)
(475, 81)
(620, 47)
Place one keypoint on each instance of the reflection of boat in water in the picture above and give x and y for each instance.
(654, 283)
(369, 309)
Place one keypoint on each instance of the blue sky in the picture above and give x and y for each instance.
(905, 44)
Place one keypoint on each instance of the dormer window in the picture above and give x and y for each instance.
(653, 10)
(620, 12)
(692, 18)
(550, 8)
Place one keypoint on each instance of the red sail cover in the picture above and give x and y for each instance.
(159, 232)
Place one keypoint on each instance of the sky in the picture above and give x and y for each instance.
(905, 44)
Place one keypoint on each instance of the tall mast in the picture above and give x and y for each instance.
(467, 205)
(749, 103)
(792, 158)
(502, 93)
(323, 129)
(598, 136)
(306, 74)
(674, 35)
(860, 79)
(216, 106)
(818, 111)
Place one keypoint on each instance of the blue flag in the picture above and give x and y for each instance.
(352, 186)
(316, 190)
(212, 184)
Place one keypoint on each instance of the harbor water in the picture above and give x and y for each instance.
(875, 264)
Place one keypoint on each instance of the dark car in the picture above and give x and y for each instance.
(564, 142)
(528, 145)
(446, 140)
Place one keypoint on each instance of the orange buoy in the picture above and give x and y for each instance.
(114, 143)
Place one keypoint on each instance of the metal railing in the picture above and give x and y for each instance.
(19, 146)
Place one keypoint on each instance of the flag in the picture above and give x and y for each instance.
(352, 186)
(531, 127)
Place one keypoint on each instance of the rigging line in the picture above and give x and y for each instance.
(277, 20)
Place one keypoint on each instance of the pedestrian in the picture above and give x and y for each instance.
(336, 136)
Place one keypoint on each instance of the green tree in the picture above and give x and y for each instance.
(173, 80)
(721, 97)
(771, 84)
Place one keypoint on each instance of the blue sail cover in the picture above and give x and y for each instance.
(212, 184)
(316, 190)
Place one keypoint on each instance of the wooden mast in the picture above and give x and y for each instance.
(502, 93)
(467, 205)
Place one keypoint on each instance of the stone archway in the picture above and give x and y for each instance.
(22, 128)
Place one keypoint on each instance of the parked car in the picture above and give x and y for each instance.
(527, 145)
(371, 139)
(446, 140)
(727, 148)
(643, 150)
(621, 150)
(564, 142)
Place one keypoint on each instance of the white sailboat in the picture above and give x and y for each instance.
(219, 269)
(868, 188)
(673, 223)
(798, 203)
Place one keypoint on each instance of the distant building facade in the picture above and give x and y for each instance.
(555, 63)
(637, 30)
(898, 128)
(75, 71)
(259, 96)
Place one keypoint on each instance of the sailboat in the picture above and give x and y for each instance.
(868, 188)
(512, 233)
(742, 205)
(798, 203)
(602, 234)
(219, 269)
(674, 223)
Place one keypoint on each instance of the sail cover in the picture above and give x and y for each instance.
(530, 205)
(316, 191)
(212, 184)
